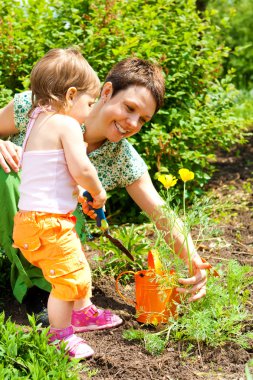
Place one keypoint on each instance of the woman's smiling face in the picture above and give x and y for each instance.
(123, 114)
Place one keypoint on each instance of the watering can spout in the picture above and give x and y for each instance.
(154, 262)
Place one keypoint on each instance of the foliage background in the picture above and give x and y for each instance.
(192, 46)
(234, 20)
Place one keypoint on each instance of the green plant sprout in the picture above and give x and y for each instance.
(218, 318)
(113, 261)
(222, 315)
(26, 354)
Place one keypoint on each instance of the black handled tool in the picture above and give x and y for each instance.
(103, 225)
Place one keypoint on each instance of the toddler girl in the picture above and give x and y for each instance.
(54, 162)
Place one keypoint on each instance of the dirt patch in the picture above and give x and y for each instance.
(117, 358)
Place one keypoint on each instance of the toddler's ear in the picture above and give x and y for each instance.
(71, 93)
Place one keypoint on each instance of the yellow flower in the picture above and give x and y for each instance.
(186, 175)
(167, 180)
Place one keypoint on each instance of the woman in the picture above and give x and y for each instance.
(132, 93)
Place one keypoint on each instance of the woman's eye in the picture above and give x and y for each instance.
(130, 109)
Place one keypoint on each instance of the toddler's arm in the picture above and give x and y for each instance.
(80, 167)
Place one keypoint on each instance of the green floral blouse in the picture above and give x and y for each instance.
(118, 164)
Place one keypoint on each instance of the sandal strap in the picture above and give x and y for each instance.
(102, 315)
(60, 334)
(73, 341)
(108, 315)
(92, 318)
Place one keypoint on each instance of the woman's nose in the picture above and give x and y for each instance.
(133, 121)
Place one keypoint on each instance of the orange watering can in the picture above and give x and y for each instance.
(154, 301)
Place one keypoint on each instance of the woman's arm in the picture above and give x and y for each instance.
(9, 152)
(146, 197)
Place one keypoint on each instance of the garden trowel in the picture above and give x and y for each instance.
(103, 225)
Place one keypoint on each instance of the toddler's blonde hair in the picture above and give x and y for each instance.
(56, 72)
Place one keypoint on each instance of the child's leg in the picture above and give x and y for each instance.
(59, 312)
(82, 303)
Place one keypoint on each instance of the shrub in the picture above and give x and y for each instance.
(234, 19)
(197, 116)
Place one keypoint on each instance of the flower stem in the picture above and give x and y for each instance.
(184, 200)
(186, 233)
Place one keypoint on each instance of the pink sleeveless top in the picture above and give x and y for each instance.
(46, 183)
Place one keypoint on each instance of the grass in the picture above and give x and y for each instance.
(223, 315)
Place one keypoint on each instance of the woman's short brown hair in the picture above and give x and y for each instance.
(138, 72)
(56, 72)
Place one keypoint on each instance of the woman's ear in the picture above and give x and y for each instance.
(106, 92)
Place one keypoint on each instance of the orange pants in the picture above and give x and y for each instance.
(50, 242)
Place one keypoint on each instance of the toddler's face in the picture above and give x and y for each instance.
(82, 104)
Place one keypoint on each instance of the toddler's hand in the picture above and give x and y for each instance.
(86, 206)
(99, 199)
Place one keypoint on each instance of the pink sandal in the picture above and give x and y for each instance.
(76, 347)
(91, 318)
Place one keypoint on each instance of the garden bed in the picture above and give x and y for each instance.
(116, 358)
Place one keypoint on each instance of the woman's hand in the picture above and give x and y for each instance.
(9, 152)
(9, 156)
(196, 285)
(145, 195)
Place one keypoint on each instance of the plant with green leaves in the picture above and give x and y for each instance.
(197, 116)
(113, 261)
(197, 215)
(5, 268)
(218, 318)
(234, 21)
(25, 353)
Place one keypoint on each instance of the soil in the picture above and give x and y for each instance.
(116, 358)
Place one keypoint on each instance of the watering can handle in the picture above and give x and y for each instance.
(117, 287)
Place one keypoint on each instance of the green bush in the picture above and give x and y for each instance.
(197, 116)
(234, 19)
(29, 29)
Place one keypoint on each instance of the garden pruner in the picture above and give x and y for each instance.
(104, 227)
